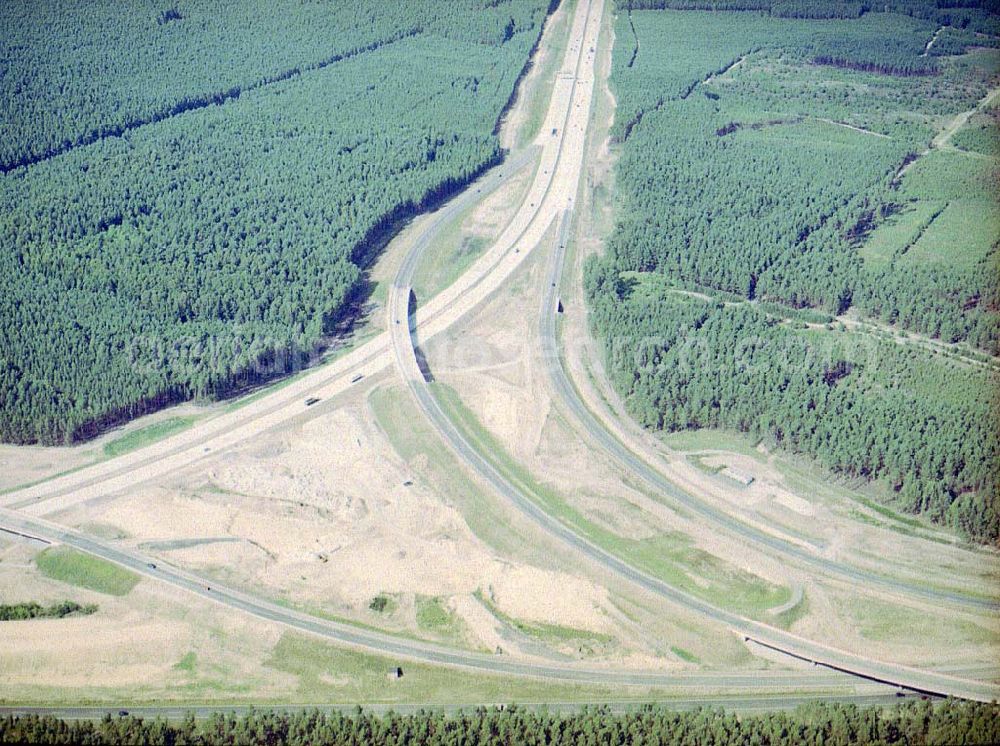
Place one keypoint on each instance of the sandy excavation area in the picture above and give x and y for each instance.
(356, 501)
(492, 361)
(331, 513)
(328, 516)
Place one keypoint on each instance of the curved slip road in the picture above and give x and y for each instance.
(771, 637)
(284, 403)
(483, 278)
(279, 406)
(402, 331)
(634, 464)
(553, 183)
(377, 643)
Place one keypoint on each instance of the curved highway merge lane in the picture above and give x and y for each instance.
(634, 464)
(552, 191)
(402, 330)
(378, 643)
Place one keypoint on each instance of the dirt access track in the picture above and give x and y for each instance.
(555, 175)
(551, 193)
(525, 233)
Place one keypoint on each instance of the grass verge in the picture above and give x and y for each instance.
(544, 631)
(327, 673)
(76, 568)
(431, 614)
(684, 655)
(669, 557)
(146, 435)
(187, 663)
(456, 247)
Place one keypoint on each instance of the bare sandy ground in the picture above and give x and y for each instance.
(130, 644)
(320, 515)
(492, 362)
(318, 511)
(765, 491)
(322, 512)
(21, 465)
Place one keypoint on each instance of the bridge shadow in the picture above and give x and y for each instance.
(422, 364)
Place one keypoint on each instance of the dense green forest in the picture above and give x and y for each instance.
(864, 407)
(752, 171)
(913, 724)
(190, 195)
(79, 70)
(974, 16)
(981, 133)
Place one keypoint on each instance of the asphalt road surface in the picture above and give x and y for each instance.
(230, 429)
(633, 464)
(182, 450)
(402, 331)
(404, 649)
(559, 169)
(556, 186)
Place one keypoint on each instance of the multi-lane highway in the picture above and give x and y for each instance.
(405, 649)
(247, 422)
(555, 178)
(482, 279)
(555, 203)
(557, 175)
(555, 183)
